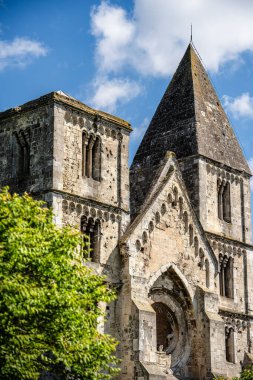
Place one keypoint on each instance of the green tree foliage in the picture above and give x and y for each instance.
(246, 374)
(48, 299)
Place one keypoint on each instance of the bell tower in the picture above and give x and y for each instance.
(191, 122)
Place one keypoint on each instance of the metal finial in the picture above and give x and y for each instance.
(191, 33)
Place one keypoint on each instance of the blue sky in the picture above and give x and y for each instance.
(119, 56)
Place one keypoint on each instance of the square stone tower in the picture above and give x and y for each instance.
(75, 158)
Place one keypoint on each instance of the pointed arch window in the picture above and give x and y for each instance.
(91, 230)
(224, 203)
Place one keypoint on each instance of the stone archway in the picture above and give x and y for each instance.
(175, 323)
(167, 329)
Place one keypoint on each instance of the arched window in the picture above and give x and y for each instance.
(230, 344)
(96, 159)
(166, 328)
(144, 237)
(169, 198)
(175, 196)
(91, 156)
(92, 235)
(224, 204)
(21, 154)
(226, 275)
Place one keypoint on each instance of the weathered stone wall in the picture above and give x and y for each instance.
(113, 189)
(36, 127)
(165, 232)
(167, 258)
(173, 251)
(240, 226)
(70, 209)
(76, 195)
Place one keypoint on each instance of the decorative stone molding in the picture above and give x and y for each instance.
(222, 174)
(229, 250)
(160, 220)
(70, 207)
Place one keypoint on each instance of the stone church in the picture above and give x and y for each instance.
(172, 234)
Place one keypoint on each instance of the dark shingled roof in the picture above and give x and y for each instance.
(189, 121)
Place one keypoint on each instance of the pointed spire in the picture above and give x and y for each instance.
(189, 121)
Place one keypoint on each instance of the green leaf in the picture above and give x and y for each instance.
(48, 299)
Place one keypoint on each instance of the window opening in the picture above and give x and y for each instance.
(96, 159)
(230, 344)
(224, 203)
(226, 277)
(91, 157)
(207, 273)
(92, 235)
(21, 152)
(166, 328)
(84, 154)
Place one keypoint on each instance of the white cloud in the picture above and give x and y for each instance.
(138, 132)
(110, 93)
(19, 52)
(114, 33)
(241, 106)
(250, 162)
(153, 38)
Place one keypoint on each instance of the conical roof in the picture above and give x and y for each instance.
(190, 121)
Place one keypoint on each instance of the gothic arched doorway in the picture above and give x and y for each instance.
(175, 322)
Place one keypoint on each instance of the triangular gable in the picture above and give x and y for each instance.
(168, 194)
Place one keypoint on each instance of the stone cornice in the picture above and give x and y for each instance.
(55, 97)
(212, 235)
